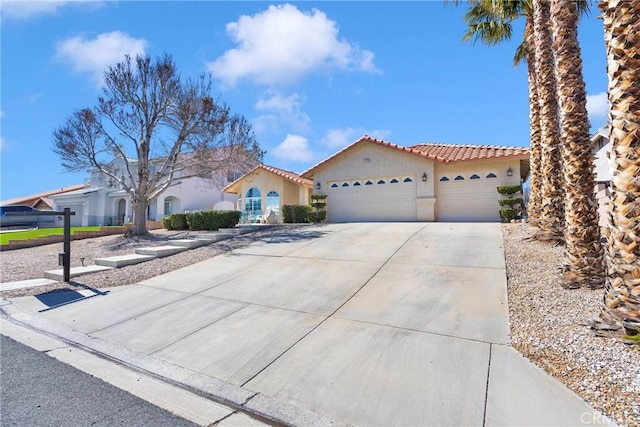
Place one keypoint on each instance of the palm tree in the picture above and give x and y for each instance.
(551, 221)
(583, 253)
(622, 38)
(491, 22)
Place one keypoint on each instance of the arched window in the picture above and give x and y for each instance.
(407, 180)
(381, 181)
(444, 178)
(492, 175)
(345, 184)
(273, 201)
(474, 176)
(253, 202)
(393, 181)
(357, 184)
(368, 183)
(459, 178)
(334, 185)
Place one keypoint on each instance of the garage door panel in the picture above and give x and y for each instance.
(376, 202)
(468, 200)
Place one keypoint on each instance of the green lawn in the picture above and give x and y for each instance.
(39, 232)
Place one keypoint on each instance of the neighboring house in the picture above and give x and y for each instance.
(374, 180)
(42, 200)
(265, 189)
(101, 201)
(600, 147)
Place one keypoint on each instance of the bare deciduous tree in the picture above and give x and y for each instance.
(175, 127)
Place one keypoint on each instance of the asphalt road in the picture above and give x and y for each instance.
(38, 390)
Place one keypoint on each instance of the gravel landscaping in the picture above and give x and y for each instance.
(548, 325)
(548, 322)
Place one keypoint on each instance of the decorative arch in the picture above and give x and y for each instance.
(253, 202)
(273, 200)
(121, 211)
(171, 205)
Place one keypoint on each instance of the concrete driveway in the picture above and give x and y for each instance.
(364, 324)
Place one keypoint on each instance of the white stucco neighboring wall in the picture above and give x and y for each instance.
(192, 194)
(99, 205)
(601, 162)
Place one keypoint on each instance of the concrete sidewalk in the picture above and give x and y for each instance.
(363, 324)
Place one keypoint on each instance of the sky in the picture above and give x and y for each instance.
(311, 77)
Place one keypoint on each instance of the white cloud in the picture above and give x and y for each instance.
(294, 148)
(598, 106)
(24, 9)
(94, 55)
(279, 109)
(282, 44)
(341, 137)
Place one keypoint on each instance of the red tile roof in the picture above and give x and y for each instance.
(33, 199)
(444, 153)
(290, 176)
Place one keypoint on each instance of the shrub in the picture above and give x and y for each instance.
(318, 203)
(509, 189)
(178, 221)
(317, 216)
(166, 223)
(507, 214)
(212, 220)
(292, 214)
(195, 220)
(511, 202)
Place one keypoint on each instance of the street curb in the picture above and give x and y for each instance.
(237, 397)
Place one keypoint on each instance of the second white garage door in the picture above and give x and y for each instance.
(468, 198)
(372, 199)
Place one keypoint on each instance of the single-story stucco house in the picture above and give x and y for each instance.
(375, 180)
(265, 189)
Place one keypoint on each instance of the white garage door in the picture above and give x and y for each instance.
(372, 199)
(468, 197)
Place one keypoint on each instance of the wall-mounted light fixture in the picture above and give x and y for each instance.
(509, 171)
(424, 177)
(317, 185)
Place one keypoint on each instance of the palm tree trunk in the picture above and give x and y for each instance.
(551, 222)
(583, 254)
(622, 39)
(535, 184)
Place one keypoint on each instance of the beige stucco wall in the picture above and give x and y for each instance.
(369, 160)
(478, 199)
(469, 167)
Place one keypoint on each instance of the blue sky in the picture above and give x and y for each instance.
(311, 77)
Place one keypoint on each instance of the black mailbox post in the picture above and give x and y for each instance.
(64, 256)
